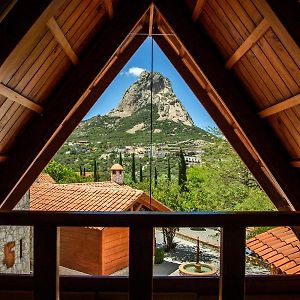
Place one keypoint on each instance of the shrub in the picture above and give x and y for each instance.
(159, 256)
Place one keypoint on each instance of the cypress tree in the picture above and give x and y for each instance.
(182, 171)
(169, 169)
(84, 172)
(141, 172)
(133, 168)
(95, 171)
(80, 170)
(155, 176)
(120, 159)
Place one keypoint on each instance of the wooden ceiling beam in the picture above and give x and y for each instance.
(16, 24)
(14, 96)
(8, 5)
(62, 40)
(109, 8)
(252, 39)
(40, 140)
(234, 96)
(151, 19)
(274, 109)
(198, 9)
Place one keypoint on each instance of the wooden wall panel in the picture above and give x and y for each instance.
(270, 67)
(79, 249)
(115, 247)
(39, 62)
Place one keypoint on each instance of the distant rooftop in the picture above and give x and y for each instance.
(88, 196)
(280, 248)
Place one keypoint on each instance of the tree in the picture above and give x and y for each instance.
(141, 172)
(61, 173)
(96, 177)
(133, 178)
(155, 176)
(120, 159)
(80, 170)
(169, 169)
(169, 234)
(182, 171)
(84, 172)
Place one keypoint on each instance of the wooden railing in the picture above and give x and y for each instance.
(141, 224)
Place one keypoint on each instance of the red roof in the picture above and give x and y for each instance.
(45, 178)
(94, 196)
(279, 247)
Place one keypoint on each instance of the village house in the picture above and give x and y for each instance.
(92, 250)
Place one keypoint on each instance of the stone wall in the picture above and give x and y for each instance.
(15, 245)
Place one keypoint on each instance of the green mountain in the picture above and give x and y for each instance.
(126, 128)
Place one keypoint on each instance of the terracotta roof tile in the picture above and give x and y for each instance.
(270, 254)
(290, 266)
(262, 253)
(274, 258)
(281, 262)
(279, 247)
(94, 196)
(44, 178)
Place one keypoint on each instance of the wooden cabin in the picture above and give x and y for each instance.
(239, 57)
(92, 250)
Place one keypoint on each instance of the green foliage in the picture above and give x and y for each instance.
(104, 134)
(182, 172)
(133, 178)
(159, 256)
(257, 230)
(61, 173)
(141, 172)
(169, 169)
(155, 176)
(222, 182)
(96, 176)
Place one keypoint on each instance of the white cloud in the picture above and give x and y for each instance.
(134, 71)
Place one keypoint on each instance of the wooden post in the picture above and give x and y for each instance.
(46, 263)
(141, 263)
(232, 273)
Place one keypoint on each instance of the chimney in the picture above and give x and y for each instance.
(117, 174)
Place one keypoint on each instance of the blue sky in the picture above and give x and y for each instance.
(142, 60)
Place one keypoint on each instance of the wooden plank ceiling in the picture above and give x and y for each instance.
(54, 73)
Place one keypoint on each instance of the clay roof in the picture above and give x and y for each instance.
(44, 178)
(117, 167)
(94, 196)
(279, 247)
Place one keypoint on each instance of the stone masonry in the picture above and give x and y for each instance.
(15, 245)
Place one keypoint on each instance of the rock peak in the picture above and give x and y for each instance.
(138, 95)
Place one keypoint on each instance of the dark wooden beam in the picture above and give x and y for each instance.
(29, 154)
(18, 21)
(222, 123)
(232, 273)
(288, 13)
(234, 95)
(141, 262)
(46, 263)
(259, 285)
